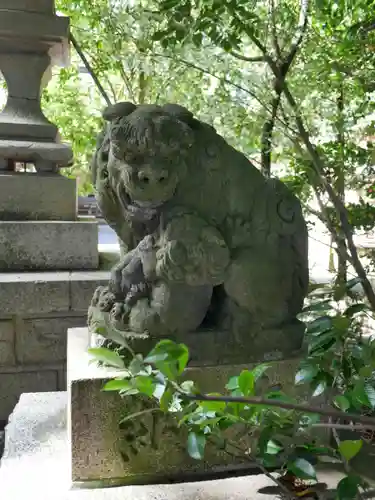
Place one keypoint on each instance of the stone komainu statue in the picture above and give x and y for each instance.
(207, 240)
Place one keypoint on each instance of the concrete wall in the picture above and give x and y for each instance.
(36, 310)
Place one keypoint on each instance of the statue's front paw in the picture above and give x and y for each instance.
(119, 315)
(97, 294)
(137, 292)
(147, 244)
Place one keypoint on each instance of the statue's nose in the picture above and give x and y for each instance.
(147, 176)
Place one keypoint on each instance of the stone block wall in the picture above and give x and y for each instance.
(36, 310)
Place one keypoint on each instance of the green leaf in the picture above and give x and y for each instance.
(347, 488)
(323, 342)
(107, 357)
(170, 358)
(216, 406)
(188, 386)
(306, 374)
(232, 384)
(118, 385)
(352, 283)
(320, 387)
(350, 448)
(166, 400)
(301, 468)
(145, 385)
(321, 306)
(196, 444)
(342, 402)
(341, 291)
(273, 448)
(246, 382)
(340, 323)
(264, 438)
(158, 35)
(260, 370)
(116, 335)
(366, 371)
(136, 365)
(354, 309)
(370, 393)
(359, 394)
(319, 325)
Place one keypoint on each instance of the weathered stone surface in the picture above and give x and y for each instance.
(44, 340)
(100, 450)
(62, 379)
(40, 153)
(34, 293)
(210, 242)
(37, 447)
(12, 385)
(26, 196)
(82, 287)
(38, 293)
(35, 245)
(7, 342)
(32, 26)
(44, 6)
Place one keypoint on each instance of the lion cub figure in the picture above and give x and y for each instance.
(207, 240)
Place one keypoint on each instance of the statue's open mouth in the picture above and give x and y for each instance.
(147, 204)
(141, 210)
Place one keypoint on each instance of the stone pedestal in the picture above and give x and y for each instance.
(35, 464)
(33, 197)
(144, 451)
(42, 245)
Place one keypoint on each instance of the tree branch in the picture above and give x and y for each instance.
(349, 427)
(250, 33)
(319, 168)
(280, 69)
(250, 458)
(237, 55)
(340, 182)
(298, 37)
(267, 133)
(126, 81)
(274, 31)
(142, 87)
(110, 85)
(362, 419)
(228, 82)
(89, 69)
(207, 72)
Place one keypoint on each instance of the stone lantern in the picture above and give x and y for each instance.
(48, 256)
(39, 229)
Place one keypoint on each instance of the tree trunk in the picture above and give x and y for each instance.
(341, 277)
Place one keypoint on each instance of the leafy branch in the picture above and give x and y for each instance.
(369, 422)
(280, 427)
